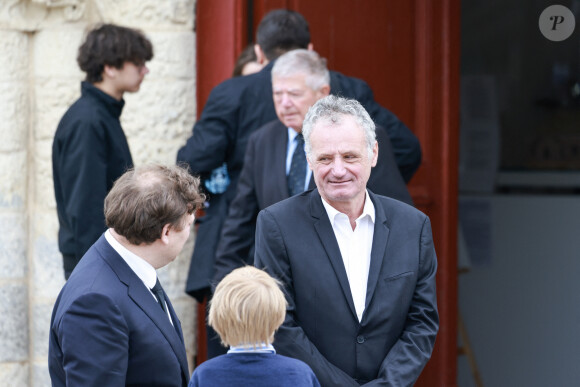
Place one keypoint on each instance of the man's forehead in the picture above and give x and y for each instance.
(292, 81)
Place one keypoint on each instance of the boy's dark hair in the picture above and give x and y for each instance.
(280, 31)
(112, 45)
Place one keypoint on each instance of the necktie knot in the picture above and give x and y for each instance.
(300, 139)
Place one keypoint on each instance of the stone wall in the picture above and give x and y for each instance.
(39, 79)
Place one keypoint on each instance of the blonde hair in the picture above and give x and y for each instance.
(247, 308)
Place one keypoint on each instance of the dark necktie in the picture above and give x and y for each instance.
(297, 173)
(158, 292)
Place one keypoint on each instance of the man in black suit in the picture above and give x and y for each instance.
(299, 79)
(358, 269)
(239, 106)
(112, 324)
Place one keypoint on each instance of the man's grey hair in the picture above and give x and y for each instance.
(332, 110)
(303, 62)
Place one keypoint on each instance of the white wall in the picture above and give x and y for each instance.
(39, 79)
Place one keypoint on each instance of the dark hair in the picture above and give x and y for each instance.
(280, 31)
(143, 200)
(246, 56)
(112, 45)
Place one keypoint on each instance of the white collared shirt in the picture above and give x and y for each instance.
(140, 267)
(355, 248)
(290, 152)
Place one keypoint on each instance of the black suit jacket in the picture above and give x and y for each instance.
(107, 329)
(392, 343)
(236, 108)
(263, 182)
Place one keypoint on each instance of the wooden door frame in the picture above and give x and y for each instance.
(435, 186)
(221, 33)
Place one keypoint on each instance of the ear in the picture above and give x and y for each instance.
(375, 154)
(310, 46)
(165, 234)
(109, 71)
(260, 56)
(324, 91)
(309, 163)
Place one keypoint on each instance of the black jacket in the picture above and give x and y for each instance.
(89, 152)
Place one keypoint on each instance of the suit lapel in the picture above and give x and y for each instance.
(139, 293)
(279, 148)
(328, 239)
(141, 296)
(175, 319)
(380, 239)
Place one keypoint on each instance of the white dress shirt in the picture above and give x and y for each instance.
(290, 152)
(355, 248)
(140, 267)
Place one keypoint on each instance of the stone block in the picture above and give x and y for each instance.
(53, 97)
(14, 322)
(55, 52)
(43, 185)
(32, 15)
(174, 55)
(152, 151)
(14, 375)
(13, 246)
(14, 58)
(47, 271)
(13, 114)
(40, 375)
(14, 180)
(41, 313)
(154, 14)
(160, 111)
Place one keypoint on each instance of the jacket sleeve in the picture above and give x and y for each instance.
(84, 183)
(237, 237)
(290, 339)
(405, 144)
(214, 133)
(406, 359)
(94, 324)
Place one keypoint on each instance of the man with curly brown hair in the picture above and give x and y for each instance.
(90, 150)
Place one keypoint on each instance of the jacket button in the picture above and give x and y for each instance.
(360, 339)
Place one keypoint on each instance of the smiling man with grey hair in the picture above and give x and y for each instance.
(358, 268)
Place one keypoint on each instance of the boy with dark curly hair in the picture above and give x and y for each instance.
(90, 150)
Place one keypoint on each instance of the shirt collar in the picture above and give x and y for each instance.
(260, 348)
(292, 135)
(142, 268)
(113, 106)
(368, 209)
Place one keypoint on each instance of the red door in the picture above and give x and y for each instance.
(408, 52)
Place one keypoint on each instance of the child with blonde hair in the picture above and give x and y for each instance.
(246, 310)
